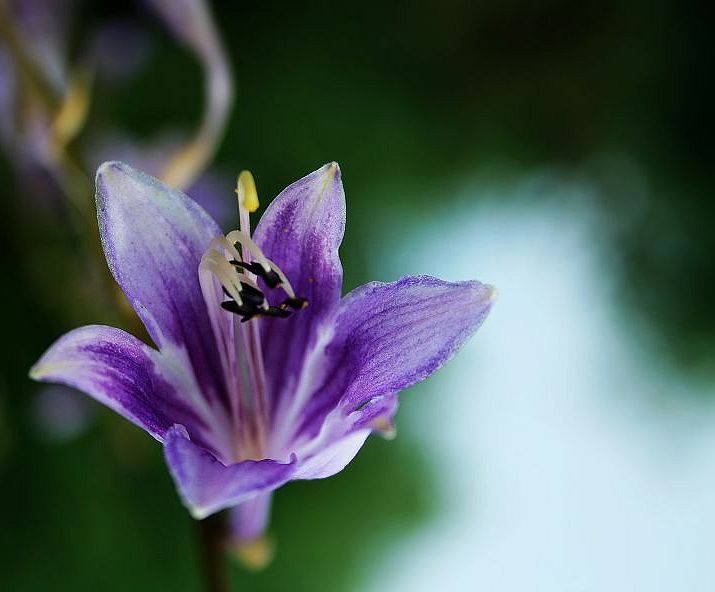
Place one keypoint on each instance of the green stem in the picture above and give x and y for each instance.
(212, 538)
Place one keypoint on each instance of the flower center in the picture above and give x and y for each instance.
(229, 273)
(247, 300)
(237, 262)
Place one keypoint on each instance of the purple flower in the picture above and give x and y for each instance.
(262, 372)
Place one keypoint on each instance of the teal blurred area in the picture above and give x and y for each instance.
(557, 150)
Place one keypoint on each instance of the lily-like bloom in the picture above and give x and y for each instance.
(262, 373)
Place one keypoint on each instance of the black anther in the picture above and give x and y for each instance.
(275, 311)
(253, 299)
(248, 294)
(245, 310)
(295, 303)
(271, 278)
(251, 295)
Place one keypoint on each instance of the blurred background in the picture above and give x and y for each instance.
(561, 151)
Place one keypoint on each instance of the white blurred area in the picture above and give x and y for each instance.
(568, 455)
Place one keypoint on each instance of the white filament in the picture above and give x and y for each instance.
(247, 243)
(231, 277)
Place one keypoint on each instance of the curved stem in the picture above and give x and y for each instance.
(184, 166)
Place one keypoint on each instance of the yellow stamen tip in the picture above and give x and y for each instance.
(246, 191)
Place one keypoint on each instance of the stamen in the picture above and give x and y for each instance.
(246, 242)
(271, 278)
(284, 283)
(248, 300)
(266, 264)
(246, 311)
(252, 295)
(245, 279)
(295, 303)
(213, 262)
(231, 259)
(277, 311)
(222, 243)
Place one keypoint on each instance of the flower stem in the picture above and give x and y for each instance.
(212, 538)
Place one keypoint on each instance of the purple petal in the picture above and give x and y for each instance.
(391, 336)
(153, 238)
(334, 457)
(119, 371)
(341, 437)
(212, 190)
(206, 485)
(301, 231)
(387, 338)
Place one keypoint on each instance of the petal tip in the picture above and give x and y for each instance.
(331, 170)
(110, 167)
(198, 513)
(482, 294)
(36, 372)
(42, 369)
(178, 430)
(109, 178)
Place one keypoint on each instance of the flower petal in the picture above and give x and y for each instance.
(334, 457)
(206, 485)
(391, 336)
(119, 371)
(153, 237)
(340, 438)
(301, 231)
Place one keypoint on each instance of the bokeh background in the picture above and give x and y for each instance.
(561, 151)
